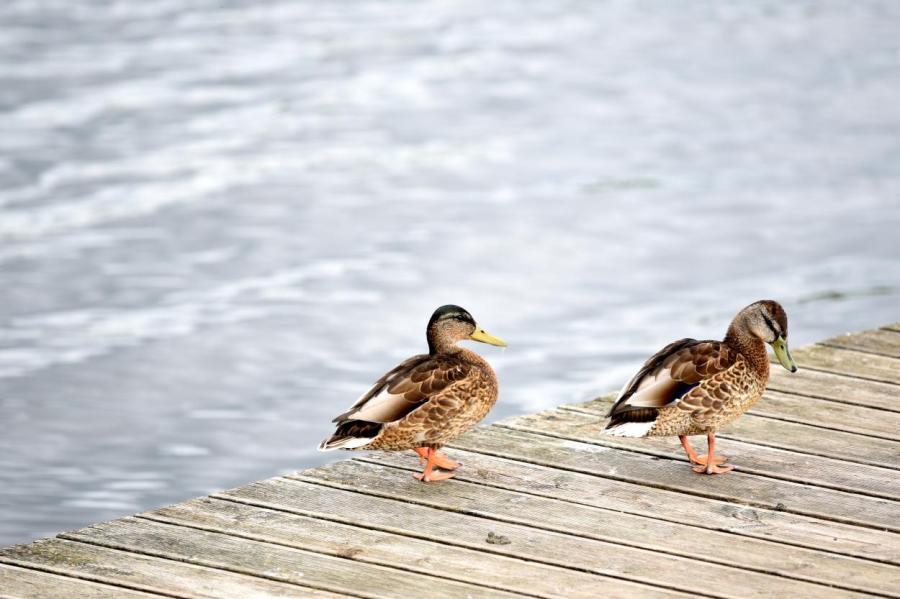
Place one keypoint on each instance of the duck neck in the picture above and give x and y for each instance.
(439, 343)
(751, 347)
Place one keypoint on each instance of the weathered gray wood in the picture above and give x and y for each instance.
(520, 469)
(877, 341)
(586, 425)
(470, 525)
(737, 486)
(150, 574)
(892, 327)
(791, 436)
(404, 552)
(636, 531)
(836, 387)
(270, 561)
(830, 414)
(544, 506)
(25, 583)
(849, 362)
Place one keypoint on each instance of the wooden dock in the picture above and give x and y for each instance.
(544, 506)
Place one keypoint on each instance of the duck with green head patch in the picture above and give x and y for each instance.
(425, 401)
(695, 387)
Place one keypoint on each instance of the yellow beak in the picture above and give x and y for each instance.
(784, 354)
(485, 337)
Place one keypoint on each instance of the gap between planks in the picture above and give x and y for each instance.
(849, 362)
(551, 479)
(764, 491)
(580, 523)
(796, 437)
(721, 544)
(270, 561)
(837, 388)
(404, 552)
(757, 460)
(472, 537)
(168, 577)
(881, 342)
(19, 582)
(455, 527)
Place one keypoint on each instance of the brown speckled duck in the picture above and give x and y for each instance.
(427, 400)
(695, 387)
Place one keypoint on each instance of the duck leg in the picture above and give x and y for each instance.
(429, 474)
(440, 459)
(692, 455)
(712, 466)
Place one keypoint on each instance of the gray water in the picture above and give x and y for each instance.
(220, 221)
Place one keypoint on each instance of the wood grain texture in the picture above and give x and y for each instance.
(461, 514)
(791, 436)
(849, 362)
(544, 505)
(150, 574)
(25, 583)
(655, 534)
(547, 467)
(836, 387)
(440, 525)
(584, 425)
(403, 552)
(883, 342)
(831, 415)
(737, 486)
(269, 561)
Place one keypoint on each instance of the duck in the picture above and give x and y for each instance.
(693, 387)
(426, 401)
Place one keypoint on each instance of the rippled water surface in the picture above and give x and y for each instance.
(219, 221)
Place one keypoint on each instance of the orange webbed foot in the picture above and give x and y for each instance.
(712, 468)
(702, 459)
(445, 463)
(440, 460)
(433, 476)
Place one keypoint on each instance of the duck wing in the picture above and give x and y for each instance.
(406, 387)
(668, 375)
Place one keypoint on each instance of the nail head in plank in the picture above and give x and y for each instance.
(670, 569)
(265, 560)
(406, 553)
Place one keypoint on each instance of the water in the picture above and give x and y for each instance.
(219, 222)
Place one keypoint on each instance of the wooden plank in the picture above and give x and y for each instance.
(892, 327)
(650, 533)
(791, 436)
(25, 583)
(367, 545)
(836, 387)
(366, 503)
(540, 466)
(736, 486)
(830, 415)
(269, 561)
(747, 457)
(849, 362)
(883, 342)
(150, 574)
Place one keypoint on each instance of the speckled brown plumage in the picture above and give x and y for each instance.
(456, 392)
(714, 402)
(427, 400)
(695, 387)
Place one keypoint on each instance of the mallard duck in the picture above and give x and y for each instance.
(427, 400)
(695, 387)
